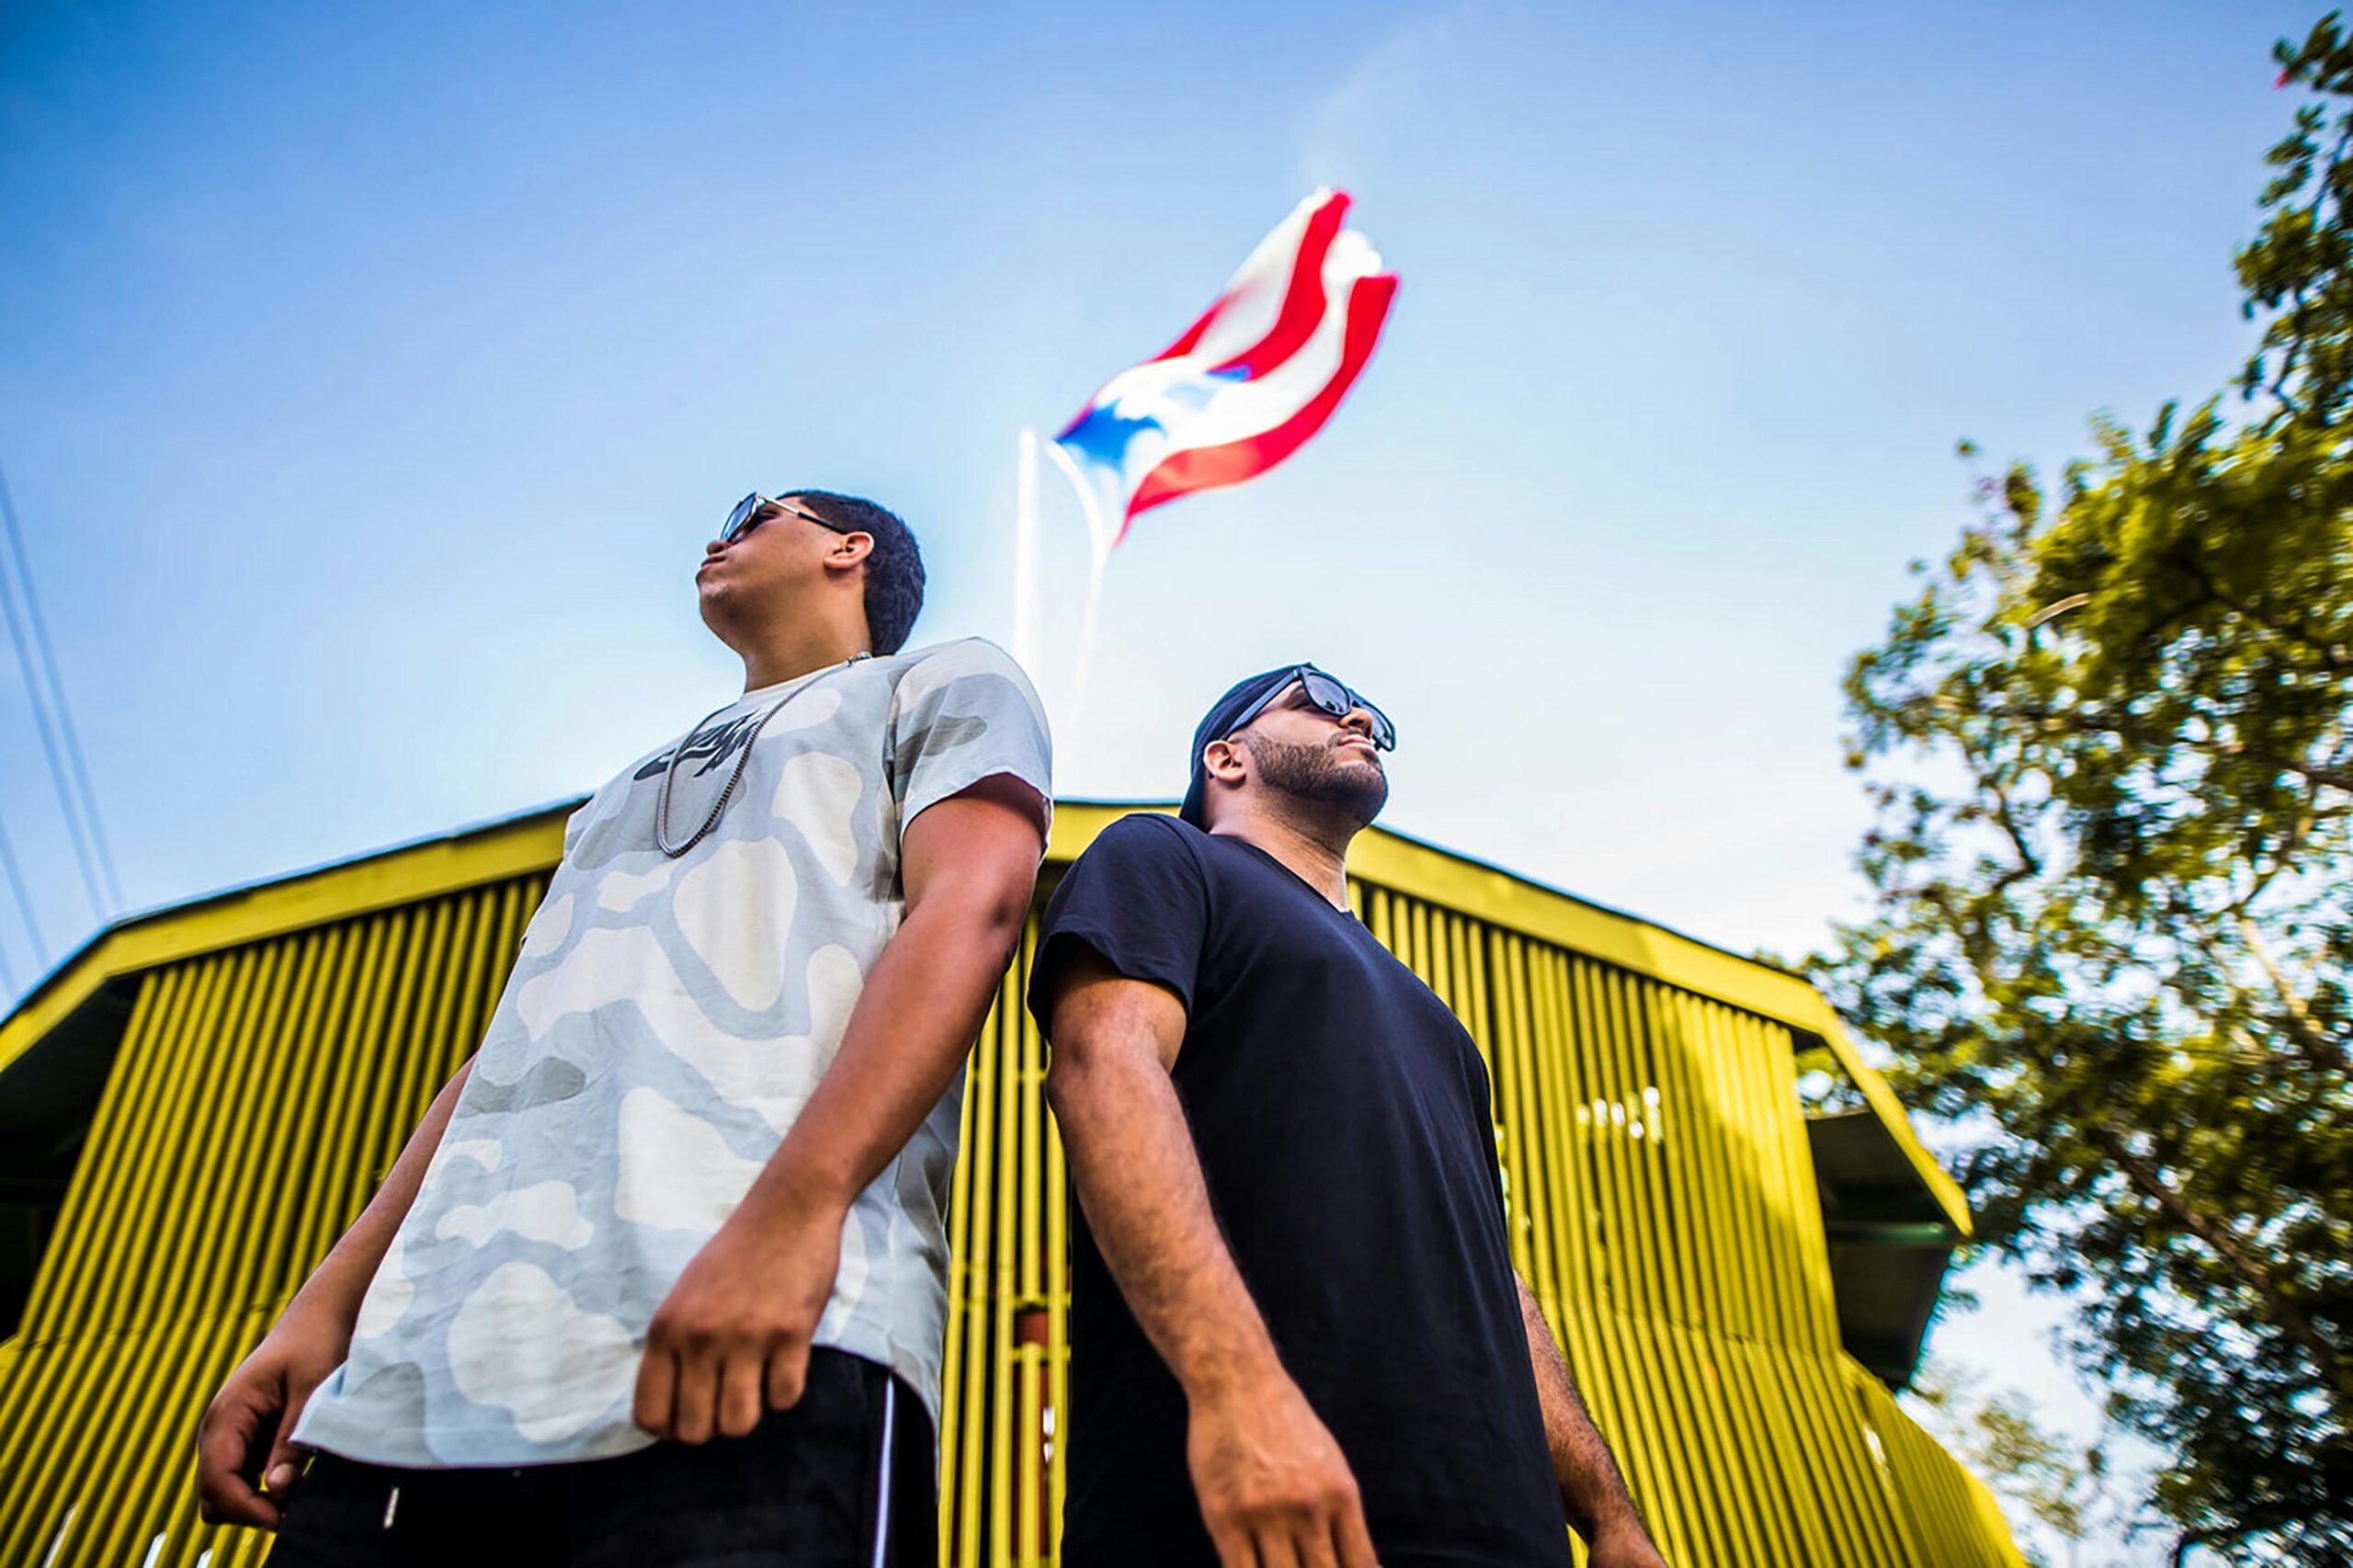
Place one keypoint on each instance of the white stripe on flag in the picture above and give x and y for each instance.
(1254, 296)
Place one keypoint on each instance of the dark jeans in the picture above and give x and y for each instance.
(814, 1486)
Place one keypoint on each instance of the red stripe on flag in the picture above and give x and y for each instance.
(1303, 299)
(1210, 468)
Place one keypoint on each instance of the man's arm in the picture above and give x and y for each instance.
(1274, 1487)
(1592, 1492)
(732, 1339)
(244, 1435)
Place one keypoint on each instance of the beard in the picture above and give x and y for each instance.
(1324, 775)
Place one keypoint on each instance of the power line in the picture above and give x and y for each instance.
(65, 798)
(89, 800)
(57, 691)
(24, 908)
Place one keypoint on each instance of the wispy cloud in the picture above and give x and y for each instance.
(1390, 89)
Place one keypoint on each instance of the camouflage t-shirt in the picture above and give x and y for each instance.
(665, 1024)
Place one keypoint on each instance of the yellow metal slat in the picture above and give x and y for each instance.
(1055, 1201)
(1027, 1369)
(211, 1220)
(173, 1137)
(1676, 1300)
(344, 1046)
(1003, 1280)
(291, 1129)
(1633, 1304)
(964, 1289)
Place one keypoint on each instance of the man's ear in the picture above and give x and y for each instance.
(1223, 760)
(848, 551)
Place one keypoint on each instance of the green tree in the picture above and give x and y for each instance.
(2111, 750)
(2062, 1491)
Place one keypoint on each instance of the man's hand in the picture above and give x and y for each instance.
(1274, 1487)
(242, 1442)
(731, 1341)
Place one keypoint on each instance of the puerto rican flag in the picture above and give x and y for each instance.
(1249, 383)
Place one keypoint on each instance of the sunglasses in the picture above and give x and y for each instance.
(1328, 695)
(751, 511)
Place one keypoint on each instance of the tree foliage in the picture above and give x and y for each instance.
(2061, 1490)
(2109, 746)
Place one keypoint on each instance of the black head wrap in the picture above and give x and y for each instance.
(1220, 722)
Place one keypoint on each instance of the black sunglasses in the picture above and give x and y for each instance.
(749, 513)
(1326, 694)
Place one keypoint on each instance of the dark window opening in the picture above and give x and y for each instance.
(48, 1098)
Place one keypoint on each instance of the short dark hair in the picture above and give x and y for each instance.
(894, 568)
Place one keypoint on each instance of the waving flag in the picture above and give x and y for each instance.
(1249, 383)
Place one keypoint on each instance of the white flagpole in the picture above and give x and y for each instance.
(1025, 555)
(1099, 541)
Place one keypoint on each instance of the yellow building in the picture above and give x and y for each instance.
(194, 1105)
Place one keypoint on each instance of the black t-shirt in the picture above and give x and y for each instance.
(1342, 1118)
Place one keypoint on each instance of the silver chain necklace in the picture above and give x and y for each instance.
(670, 768)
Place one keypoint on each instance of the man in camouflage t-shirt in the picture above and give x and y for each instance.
(661, 1277)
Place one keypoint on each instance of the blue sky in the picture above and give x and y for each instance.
(370, 378)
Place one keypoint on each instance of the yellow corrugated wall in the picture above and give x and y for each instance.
(1661, 1193)
(259, 1095)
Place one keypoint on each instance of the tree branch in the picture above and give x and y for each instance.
(2318, 1050)
(2081, 720)
(2226, 1244)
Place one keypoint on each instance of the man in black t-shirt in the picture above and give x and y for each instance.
(1296, 1336)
